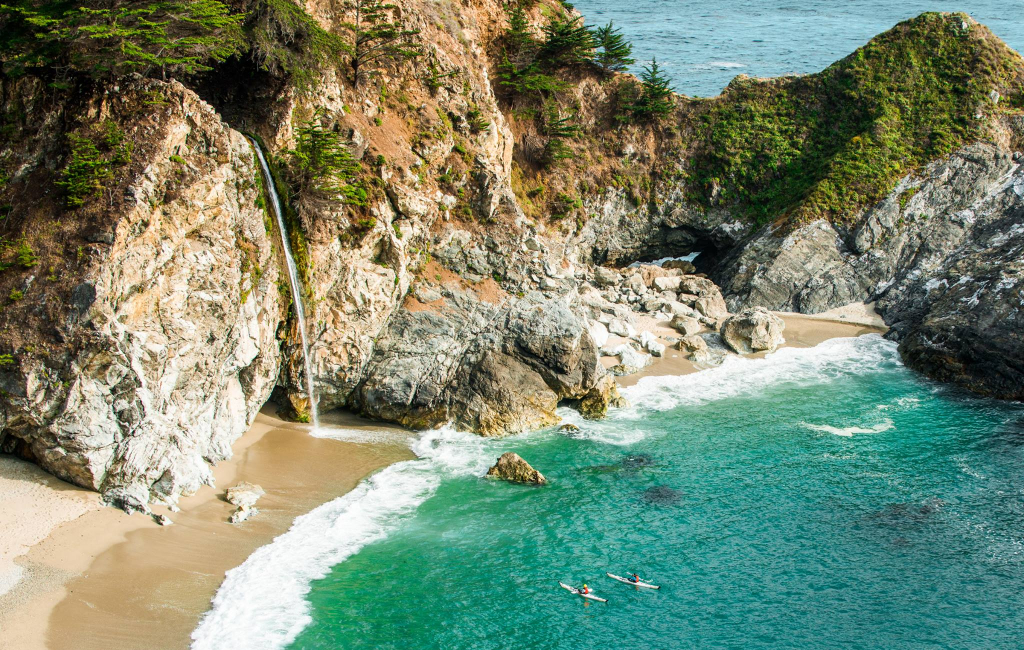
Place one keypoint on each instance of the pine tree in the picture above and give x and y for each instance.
(616, 52)
(378, 38)
(568, 42)
(559, 129)
(322, 170)
(113, 38)
(655, 99)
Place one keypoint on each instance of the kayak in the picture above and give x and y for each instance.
(581, 594)
(630, 582)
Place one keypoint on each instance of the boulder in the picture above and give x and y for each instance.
(511, 467)
(631, 360)
(243, 513)
(636, 284)
(668, 283)
(753, 330)
(244, 495)
(605, 395)
(681, 309)
(621, 328)
(651, 344)
(162, 520)
(681, 265)
(712, 305)
(697, 285)
(569, 428)
(598, 332)
(697, 351)
(605, 277)
(686, 325)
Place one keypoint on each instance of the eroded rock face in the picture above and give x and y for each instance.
(490, 363)
(941, 256)
(753, 330)
(169, 335)
(511, 467)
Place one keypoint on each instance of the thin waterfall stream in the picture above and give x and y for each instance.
(293, 281)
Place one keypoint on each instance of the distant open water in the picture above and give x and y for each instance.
(703, 44)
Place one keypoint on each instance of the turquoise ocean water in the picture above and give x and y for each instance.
(819, 498)
(703, 44)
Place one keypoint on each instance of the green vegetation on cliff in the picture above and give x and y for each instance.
(827, 145)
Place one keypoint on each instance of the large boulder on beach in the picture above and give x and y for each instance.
(512, 467)
(753, 330)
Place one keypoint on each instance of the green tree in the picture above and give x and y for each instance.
(378, 39)
(655, 97)
(559, 129)
(285, 40)
(322, 170)
(615, 53)
(114, 38)
(568, 42)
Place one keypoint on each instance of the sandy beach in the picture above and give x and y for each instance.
(802, 331)
(91, 577)
(94, 577)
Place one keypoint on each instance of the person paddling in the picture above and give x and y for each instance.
(585, 590)
(634, 577)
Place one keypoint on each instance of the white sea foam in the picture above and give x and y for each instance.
(849, 432)
(262, 605)
(347, 434)
(833, 359)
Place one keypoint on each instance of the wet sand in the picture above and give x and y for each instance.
(109, 581)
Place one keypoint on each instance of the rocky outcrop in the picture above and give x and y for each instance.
(164, 346)
(511, 467)
(753, 330)
(941, 256)
(244, 495)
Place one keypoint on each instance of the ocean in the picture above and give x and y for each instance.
(703, 45)
(818, 498)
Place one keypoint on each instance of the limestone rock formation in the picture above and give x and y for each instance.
(511, 467)
(158, 343)
(753, 330)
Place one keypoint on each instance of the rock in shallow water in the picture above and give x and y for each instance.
(662, 495)
(511, 467)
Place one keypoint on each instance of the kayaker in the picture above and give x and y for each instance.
(585, 590)
(634, 577)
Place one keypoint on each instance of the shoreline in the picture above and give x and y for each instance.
(802, 331)
(98, 578)
(103, 579)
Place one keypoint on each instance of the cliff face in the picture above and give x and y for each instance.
(152, 322)
(155, 317)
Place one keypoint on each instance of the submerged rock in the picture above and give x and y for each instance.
(511, 467)
(753, 330)
(662, 495)
(637, 461)
(569, 428)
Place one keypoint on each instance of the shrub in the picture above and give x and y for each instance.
(377, 37)
(86, 172)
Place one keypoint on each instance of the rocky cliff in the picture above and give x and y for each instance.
(147, 320)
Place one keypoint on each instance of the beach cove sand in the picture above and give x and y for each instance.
(94, 577)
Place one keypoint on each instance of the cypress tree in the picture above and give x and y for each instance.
(568, 42)
(655, 98)
(616, 52)
(378, 38)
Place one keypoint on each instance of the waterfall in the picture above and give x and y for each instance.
(293, 281)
